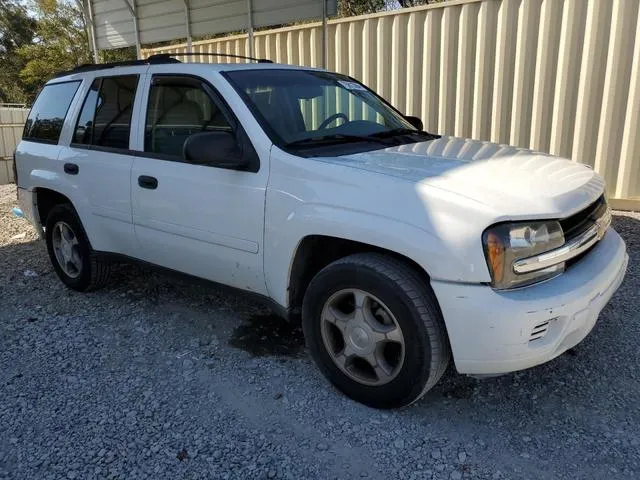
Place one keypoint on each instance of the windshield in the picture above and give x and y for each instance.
(306, 108)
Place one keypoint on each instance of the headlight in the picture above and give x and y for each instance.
(508, 242)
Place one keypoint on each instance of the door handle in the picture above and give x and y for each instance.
(146, 181)
(71, 168)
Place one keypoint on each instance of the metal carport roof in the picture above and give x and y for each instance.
(124, 23)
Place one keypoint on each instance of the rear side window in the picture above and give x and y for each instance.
(47, 115)
(105, 119)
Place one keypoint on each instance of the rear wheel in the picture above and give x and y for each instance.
(374, 328)
(70, 251)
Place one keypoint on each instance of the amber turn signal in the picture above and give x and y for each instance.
(495, 256)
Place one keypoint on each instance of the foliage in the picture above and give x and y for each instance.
(61, 42)
(43, 37)
(348, 8)
(117, 55)
(415, 3)
(34, 48)
(17, 29)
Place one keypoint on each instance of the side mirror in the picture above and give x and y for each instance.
(218, 149)
(414, 121)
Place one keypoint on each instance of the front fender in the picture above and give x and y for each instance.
(421, 246)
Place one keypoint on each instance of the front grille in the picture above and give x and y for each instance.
(580, 222)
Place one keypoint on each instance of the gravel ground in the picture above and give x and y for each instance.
(156, 378)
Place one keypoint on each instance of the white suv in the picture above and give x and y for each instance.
(396, 248)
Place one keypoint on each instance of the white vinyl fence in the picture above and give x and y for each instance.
(559, 76)
(12, 118)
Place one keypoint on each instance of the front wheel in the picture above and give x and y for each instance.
(374, 328)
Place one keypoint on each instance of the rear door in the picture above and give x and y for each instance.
(100, 159)
(197, 219)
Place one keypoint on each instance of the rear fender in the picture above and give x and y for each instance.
(47, 179)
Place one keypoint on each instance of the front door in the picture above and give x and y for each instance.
(200, 220)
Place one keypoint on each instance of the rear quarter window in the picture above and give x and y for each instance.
(48, 113)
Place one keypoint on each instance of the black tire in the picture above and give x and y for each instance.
(94, 272)
(414, 305)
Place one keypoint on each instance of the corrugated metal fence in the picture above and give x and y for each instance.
(560, 76)
(12, 120)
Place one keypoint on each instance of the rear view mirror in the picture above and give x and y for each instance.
(414, 121)
(217, 149)
(306, 92)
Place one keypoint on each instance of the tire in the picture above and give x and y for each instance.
(90, 273)
(393, 290)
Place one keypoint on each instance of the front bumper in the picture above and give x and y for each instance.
(495, 332)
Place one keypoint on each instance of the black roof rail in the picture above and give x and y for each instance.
(160, 58)
(91, 67)
(163, 57)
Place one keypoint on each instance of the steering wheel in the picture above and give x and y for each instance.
(331, 118)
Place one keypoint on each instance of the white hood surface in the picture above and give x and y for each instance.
(511, 180)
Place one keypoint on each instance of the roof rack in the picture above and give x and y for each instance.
(164, 57)
(160, 58)
(90, 67)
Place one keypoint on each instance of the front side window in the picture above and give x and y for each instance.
(309, 108)
(47, 115)
(179, 107)
(105, 119)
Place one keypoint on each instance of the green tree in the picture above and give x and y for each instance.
(414, 3)
(17, 29)
(348, 8)
(117, 55)
(61, 42)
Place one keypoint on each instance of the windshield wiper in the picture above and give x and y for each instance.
(403, 131)
(334, 138)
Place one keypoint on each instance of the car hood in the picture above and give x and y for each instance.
(514, 182)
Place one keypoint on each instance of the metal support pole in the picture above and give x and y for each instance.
(325, 36)
(250, 27)
(136, 31)
(187, 15)
(92, 26)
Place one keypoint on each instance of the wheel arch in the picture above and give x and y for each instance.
(314, 252)
(45, 200)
